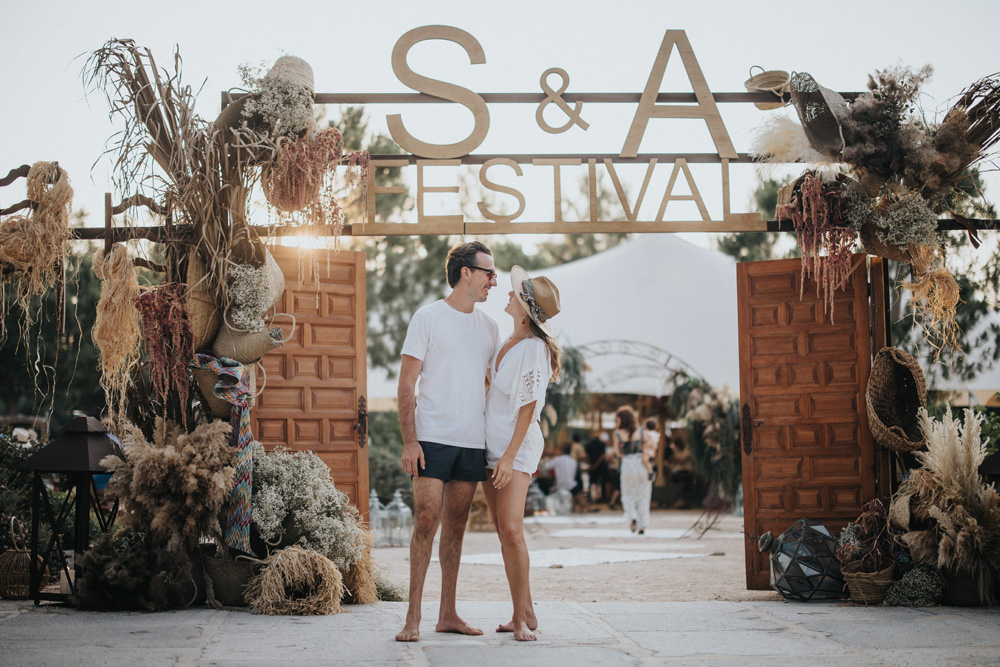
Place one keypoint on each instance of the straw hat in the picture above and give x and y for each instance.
(821, 112)
(538, 296)
(295, 70)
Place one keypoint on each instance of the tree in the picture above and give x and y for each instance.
(46, 371)
(756, 246)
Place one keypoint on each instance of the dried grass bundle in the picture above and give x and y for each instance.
(934, 300)
(31, 246)
(954, 452)
(116, 328)
(296, 582)
(360, 585)
(174, 488)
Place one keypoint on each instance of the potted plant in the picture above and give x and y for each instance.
(865, 554)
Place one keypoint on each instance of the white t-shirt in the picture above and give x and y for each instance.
(455, 349)
(523, 377)
(564, 467)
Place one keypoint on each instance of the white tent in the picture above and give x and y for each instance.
(641, 310)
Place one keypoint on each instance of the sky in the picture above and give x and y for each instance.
(603, 47)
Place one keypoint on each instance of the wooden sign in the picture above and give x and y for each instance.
(651, 107)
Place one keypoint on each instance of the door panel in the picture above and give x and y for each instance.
(316, 380)
(808, 452)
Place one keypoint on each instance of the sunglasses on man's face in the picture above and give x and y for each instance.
(489, 272)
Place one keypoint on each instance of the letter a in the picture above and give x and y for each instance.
(705, 109)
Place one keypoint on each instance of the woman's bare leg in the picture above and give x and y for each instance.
(491, 502)
(510, 525)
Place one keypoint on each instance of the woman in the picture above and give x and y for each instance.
(520, 372)
(636, 469)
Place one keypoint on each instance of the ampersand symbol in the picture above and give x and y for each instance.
(556, 96)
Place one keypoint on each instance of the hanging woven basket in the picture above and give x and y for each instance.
(769, 81)
(15, 579)
(874, 245)
(203, 312)
(896, 391)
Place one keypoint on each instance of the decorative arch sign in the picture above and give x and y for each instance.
(651, 107)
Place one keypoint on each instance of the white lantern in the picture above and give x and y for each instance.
(398, 521)
(377, 520)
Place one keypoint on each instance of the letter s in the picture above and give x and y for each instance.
(447, 91)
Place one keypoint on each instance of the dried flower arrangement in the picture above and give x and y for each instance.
(920, 587)
(174, 488)
(949, 517)
(252, 292)
(31, 245)
(127, 572)
(116, 329)
(902, 172)
(170, 342)
(295, 502)
(867, 540)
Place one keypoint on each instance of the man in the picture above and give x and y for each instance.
(449, 345)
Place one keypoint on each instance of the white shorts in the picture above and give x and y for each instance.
(528, 455)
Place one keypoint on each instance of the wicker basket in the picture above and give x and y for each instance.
(895, 392)
(229, 578)
(15, 578)
(245, 347)
(203, 313)
(771, 81)
(867, 587)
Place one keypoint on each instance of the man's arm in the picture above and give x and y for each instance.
(413, 454)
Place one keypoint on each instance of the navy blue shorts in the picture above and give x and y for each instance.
(447, 462)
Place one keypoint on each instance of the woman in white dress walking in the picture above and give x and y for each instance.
(632, 444)
(520, 373)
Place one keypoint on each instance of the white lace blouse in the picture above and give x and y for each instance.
(522, 377)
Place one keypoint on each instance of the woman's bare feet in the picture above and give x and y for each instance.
(522, 633)
(531, 621)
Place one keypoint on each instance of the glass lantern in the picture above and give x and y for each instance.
(398, 521)
(803, 564)
(377, 521)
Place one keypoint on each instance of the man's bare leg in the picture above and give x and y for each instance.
(454, 515)
(427, 499)
(491, 502)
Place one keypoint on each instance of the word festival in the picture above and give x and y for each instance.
(649, 106)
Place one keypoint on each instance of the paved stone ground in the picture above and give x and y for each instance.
(571, 634)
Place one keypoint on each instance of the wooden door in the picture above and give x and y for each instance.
(807, 449)
(317, 380)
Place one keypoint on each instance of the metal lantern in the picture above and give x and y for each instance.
(75, 455)
(398, 521)
(803, 564)
(377, 521)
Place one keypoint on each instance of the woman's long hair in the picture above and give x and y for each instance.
(555, 351)
(626, 420)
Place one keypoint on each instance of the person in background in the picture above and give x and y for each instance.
(682, 474)
(448, 346)
(636, 470)
(650, 446)
(597, 460)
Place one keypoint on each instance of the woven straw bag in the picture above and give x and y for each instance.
(245, 347)
(229, 578)
(203, 313)
(15, 576)
(769, 81)
(206, 381)
(896, 391)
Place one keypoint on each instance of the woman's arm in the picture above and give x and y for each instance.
(505, 466)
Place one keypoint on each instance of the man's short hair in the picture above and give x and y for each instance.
(463, 254)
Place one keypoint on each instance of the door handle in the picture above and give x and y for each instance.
(748, 424)
(361, 426)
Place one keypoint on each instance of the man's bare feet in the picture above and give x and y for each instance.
(522, 633)
(531, 622)
(409, 633)
(457, 626)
